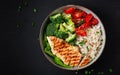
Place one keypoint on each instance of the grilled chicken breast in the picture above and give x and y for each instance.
(85, 61)
(69, 54)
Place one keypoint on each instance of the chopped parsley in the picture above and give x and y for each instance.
(101, 39)
(76, 72)
(92, 70)
(19, 8)
(97, 32)
(100, 73)
(33, 24)
(110, 70)
(34, 10)
(82, 43)
(25, 3)
(87, 47)
(89, 72)
(88, 30)
(86, 72)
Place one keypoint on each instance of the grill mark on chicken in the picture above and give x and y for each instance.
(85, 61)
(70, 55)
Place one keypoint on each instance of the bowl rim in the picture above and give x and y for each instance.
(103, 37)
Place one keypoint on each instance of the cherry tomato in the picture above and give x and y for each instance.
(77, 21)
(76, 29)
(87, 24)
(84, 14)
(94, 21)
(88, 17)
(84, 25)
(69, 10)
(76, 15)
(81, 32)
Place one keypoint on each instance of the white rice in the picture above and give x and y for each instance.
(92, 41)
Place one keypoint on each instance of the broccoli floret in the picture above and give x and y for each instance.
(61, 34)
(56, 18)
(51, 28)
(69, 24)
(69, 27)
(71, 37)
(65, 34)
(68, 19)
(62, 28)
(66, 16)
(59, 29)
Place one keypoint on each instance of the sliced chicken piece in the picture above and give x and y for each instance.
(85, 61)
(69, 54)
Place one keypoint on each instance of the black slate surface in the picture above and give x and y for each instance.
(21, 53)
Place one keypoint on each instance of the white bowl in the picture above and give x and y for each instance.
(61, 10)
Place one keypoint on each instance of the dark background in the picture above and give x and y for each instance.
(20, 51)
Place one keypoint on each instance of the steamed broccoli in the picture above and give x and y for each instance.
(60, 29)
(71, 37)
(65, 34)
(61, 32)
(69, 27)
(57, 18)
(62, 35)
(51, 28)
(68, 22)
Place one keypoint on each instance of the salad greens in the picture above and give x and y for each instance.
(59, 62)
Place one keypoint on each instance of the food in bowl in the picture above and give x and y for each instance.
(72, 37)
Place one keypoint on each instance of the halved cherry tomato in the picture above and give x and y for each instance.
(81, 32)
(84, 14)
(87, 24)
(77, 21)
(88, 17)
(69, 10)
(84, 25)
(76, 29)
(76, 15)
(94, 21)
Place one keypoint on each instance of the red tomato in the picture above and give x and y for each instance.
(76, 21)
(84, 14)
(88, 17)
(76, 15)
(87, 24)
(69, 10)
(84, 25)
(76, 29)
(94, 21)
(81, 32)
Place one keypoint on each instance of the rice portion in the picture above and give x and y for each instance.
(90, 44)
